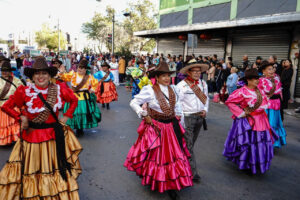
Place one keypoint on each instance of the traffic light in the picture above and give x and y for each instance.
(68, 38)
(109, 38)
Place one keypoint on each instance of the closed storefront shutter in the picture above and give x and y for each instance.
(172, 46)
(262, 43)
(209, 47)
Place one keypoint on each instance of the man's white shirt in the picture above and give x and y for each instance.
(190, 103)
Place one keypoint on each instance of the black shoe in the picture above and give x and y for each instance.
(107, 106)
(103, 105)
(197, 178)
(173, 195)
(79, 132)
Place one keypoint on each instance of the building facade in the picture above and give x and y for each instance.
(230, 28)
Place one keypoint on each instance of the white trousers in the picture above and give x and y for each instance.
(116, 76)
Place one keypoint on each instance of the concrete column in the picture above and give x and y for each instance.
(228, 48)
(294, 49)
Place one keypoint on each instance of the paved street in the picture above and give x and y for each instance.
(106, 147)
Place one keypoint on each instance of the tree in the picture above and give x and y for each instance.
(141, 18)
(48, 38)
(97, 29)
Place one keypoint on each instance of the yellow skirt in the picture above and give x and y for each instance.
(41, 178)
(9, 129)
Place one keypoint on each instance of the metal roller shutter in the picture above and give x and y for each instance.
(260, 43)
(209, 47)
(172, 46)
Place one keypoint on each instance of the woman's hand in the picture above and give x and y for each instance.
(64, 119)
(148, 120)
(24, 122)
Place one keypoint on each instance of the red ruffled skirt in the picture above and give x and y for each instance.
(108, 94)
(9, 129)
(158, 159)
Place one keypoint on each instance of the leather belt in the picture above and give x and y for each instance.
(192, 114)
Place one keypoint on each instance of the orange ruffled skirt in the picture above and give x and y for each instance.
(41, 178)
(109, 93)
(159, 159)
(9, 129)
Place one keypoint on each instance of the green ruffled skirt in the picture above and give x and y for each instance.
(82, 119)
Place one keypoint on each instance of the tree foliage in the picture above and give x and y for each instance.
(141, 18)
(47, 37)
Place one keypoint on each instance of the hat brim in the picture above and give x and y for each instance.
(86, 67)
(152, 74)
(245, 78)
(203, 67)
(28, 71)
(105, 66)
(8, 70)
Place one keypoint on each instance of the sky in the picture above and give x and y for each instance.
(24, 17)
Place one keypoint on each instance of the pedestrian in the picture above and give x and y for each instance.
(270, 84)
(122, 63)
(128, 71)
(106, 91)
(232, 80)
(172, 67)
(194, 100)
(160, 155)
(211, 77)
(114, 68)
(9, 127)
(44, 163)
(286, 80)
(278, 67)
(87, 114)
(136, 74)
(249, 143)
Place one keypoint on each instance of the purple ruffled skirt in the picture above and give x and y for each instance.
(249, 149)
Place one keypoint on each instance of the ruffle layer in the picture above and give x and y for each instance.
(109, 94)
(249, 149)
(274, 117)
(158, 160)
(41, 178)
(80, 118)
(9, 129)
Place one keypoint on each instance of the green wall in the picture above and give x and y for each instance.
(170, 6)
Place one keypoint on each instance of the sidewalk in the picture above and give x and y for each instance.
(291, 110)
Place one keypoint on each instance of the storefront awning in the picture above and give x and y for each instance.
(261, 20)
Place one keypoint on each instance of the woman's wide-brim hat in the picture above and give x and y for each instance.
(140, 61)
(3, 58)
(6, 67)
(162, 68)
(105, 64)
(84, 64)
(250, 74)
(56, 60)
(193, 64)
(40, 64)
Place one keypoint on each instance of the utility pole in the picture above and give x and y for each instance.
(113, 35)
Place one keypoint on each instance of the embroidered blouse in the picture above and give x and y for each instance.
(27, 97)
(12, 89)
(265, 84)
(75, 79)
(244, 97)
(147, 95)
(100, 74)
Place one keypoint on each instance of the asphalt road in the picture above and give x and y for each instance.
(105, 149)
